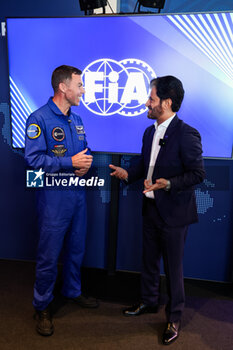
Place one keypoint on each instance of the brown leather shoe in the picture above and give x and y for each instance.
(44, 324)
(171, 332)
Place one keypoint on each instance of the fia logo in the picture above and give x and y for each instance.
(35, 178)
(117, 87)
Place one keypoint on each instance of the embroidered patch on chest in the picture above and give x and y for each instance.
(59, 150)
(80, 129)
(58, 134)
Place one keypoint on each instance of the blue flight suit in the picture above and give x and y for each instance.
(52, 138)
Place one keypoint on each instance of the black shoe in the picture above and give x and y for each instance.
(171, 332)
(44, 324)
(139, 309)
(82, 301)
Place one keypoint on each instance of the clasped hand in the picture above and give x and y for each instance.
(82, 162)
(159, 184)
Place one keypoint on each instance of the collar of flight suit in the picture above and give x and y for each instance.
(56, 110)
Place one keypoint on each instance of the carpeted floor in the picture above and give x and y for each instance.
(207, 320)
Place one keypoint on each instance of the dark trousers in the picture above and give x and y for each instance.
(160, 240)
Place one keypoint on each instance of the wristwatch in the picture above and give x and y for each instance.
(168, 187)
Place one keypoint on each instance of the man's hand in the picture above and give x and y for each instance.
(159, 184)
(81, 172)
(120, 173)
(82, 160)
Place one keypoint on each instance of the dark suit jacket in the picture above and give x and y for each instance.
(180, 161)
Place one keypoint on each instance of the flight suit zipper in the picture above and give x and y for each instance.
(72, 137)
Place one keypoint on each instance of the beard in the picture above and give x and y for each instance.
(154, 113)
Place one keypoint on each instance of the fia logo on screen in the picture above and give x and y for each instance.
(117, 87)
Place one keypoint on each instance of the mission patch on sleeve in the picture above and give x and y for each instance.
(33, 131)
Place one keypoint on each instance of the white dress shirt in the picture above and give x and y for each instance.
(155, 148)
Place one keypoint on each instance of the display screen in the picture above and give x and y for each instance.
(119, 55)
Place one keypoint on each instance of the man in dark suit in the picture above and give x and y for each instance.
(171, 164)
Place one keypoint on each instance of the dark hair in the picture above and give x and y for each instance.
(62, 73)
(169, 87)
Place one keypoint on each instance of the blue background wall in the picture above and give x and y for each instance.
(208, 253)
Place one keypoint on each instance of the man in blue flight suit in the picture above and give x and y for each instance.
(56, 142)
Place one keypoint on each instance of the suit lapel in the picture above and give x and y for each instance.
(149, 144)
